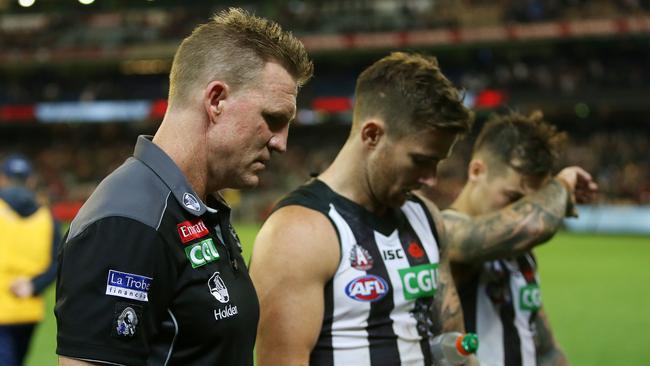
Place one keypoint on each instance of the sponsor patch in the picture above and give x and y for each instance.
(419, 281)
(367, 288)
(191, 202)
(192, 229)
(201, 253)
(226, 312)
(530, 298)
(126, 319)
(392, 254)
(218, 288)
(415, 250)
(127, 285)
(360, 258)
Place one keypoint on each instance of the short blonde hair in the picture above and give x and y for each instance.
(233, 47)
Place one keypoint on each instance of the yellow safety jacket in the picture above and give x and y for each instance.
(25, 251)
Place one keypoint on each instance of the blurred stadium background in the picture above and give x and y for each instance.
(79, 80)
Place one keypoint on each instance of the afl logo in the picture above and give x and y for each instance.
(367, 288)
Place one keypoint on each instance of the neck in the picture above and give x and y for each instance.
(347, 177)
(181, 137)
(463, 202)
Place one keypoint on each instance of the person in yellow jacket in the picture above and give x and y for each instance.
(28, 241)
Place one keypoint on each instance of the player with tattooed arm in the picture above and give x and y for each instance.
(509, 204)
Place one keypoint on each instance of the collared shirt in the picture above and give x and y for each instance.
(149, 275)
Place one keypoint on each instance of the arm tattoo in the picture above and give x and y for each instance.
(512, 230)
(448, 314)
(547, 351)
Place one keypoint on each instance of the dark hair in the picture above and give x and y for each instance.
(409, 92)
(528, 144)
(234, 46)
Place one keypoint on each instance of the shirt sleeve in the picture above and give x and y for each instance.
(114, 285)
(43, 280)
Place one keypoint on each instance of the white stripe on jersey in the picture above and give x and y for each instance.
(350, 318)
(489, 330)
(404, 324)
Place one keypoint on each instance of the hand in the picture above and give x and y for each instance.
(22, 287)
(472, 360)
(580, 184)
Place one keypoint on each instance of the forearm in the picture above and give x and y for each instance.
(512, 230)
(548, 351)
(43, 280)
(447, 310)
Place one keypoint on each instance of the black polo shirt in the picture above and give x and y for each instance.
(148, 275)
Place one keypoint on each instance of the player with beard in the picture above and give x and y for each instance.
(351, 268)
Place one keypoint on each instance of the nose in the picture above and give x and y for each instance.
(278, 141)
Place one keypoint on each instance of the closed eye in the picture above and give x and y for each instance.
(276, 121)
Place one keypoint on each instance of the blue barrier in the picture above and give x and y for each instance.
(611, 219)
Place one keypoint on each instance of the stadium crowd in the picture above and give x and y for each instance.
(72, 160)
(562, 69)
(55, 26)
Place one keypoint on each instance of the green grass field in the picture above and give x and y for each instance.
(595, 290)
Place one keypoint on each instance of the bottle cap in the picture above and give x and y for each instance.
(467, 344)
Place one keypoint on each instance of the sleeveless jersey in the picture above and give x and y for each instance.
(500, 304)
(378, 304)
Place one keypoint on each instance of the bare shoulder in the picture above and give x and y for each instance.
(300, 238)
(435, 214)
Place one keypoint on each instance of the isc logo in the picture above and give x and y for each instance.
(530, 298)
(367, 288)
(419, 281)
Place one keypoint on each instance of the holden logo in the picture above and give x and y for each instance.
(191, 202)
(218, 288)
(367, 288)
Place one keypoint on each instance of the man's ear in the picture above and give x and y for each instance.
(477, 170)
(214, 96)
(372, 132)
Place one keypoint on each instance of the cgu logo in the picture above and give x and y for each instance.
(530, 298)
(201, 253)
(367, 288)
(419, 281)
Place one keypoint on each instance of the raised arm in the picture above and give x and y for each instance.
(296, 252)
(548, 351)
(519, 226)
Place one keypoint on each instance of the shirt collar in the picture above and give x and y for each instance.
(164, 167)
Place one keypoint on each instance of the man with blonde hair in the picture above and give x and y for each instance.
(151, 270)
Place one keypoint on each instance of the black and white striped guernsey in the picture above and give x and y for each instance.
(500, 304)
(378, 304)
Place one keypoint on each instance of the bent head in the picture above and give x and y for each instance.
(514, 155)
(408, 116)
(243, 72)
